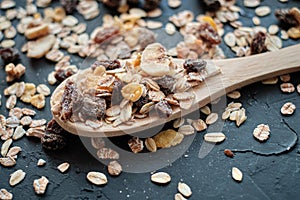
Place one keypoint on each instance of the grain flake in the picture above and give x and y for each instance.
(288, 108)
(214, 137)
(97, 178)
(63, 167)
(184, 189)
(16, 177)
(40, 185)
(161, 178)
(237, 175)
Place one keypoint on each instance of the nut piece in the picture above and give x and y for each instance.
(136, 145)
(114, 168)
(4, 194)
(150, 145)
(288, 108)
(184, 189)
(228, 153)
(261, 132)
(161, 178)
(97, 178)
(40, 185)
(214, 137)
(237, 175)
(16, 177)
(63, 167)
(287, 87)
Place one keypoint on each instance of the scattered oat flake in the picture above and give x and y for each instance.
(5, 147)
(178, 122)
(205, 110)
(287, 87)
(234, 94)
(168, 138)
(262, 11)
(184, 189)
(153, 24)
(211, 118)
(97, 178)
(136, 145)
(170, 29)
(16, 177)
(4, 194)
(174, 3)
(7, 161)
(40, 185)
(43, 89)
(186, 130)
(199, 125)
(237, 175)
(214, 137)
(150, 145)
(13, 151)
(270, 81)
(251, 3)
(179, 196)
(262, 132)
(18, 133)
(107, 153)
(230, 39)
(41, 162)
(161, 178)
(63, 167)
(288, 108)
(114, 168)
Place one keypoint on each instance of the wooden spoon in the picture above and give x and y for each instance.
(235, 73)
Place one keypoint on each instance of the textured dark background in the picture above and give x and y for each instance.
(266, 175)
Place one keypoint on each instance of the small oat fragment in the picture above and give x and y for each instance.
(63, 167)
(11, 102)
(199, 125)
(136, 145)
(153, 24)
(270, 81)
(114, 168)
(288, 108)
(287, 87)
(178, 122)
(256, 21)
(298, 88)
(184, 189)
(41, 162)
(228, 153)
(97, 178)
(186, 130)
(161, 178)
(262, 11)
(179, 196)
(18, 133)
(230, 39)
(4, 194)
(262, 132)
(285, 78)
(170, 29)
(40, 185)
(214, 137)
(237, 175)
(43, 89)
(26, 120)
(51, 78)
(234, 94)
(150, 145)
(16, 177)
(273, 29)
(205, 110)
(211, 118)
(8, 161)
(29, 112)
(13, 151)
(107, 153)
(5, 147)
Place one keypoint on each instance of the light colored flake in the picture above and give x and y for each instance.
(270, 81)
(153, 24)
(13, 151)
(70, 21)
(261, 132)
(4, 194)
(41, 162)
(230, 39)
(234, 94)
(97, 178)
(184, 189)
(16, 177)
(136, 145)
(237, 175)
(107, 153)
(114, 168)
(211, 118)
(18, 133)
(5, 147)
(154, 13)
(256, 20)
(178, 122)
(263, 11)
(40, 185)
(214, 137)
(7, 161)
(186, 130)
(168, 138)
(287, 87)
(161, 178)
(199, 125)
(179, 196)
(174, 3)
(273, 29)
(205, 110)
(63, 167)
(288, 108)
(150, 145)
(170, 29)
(11, 102)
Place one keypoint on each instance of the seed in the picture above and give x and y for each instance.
(256, 21)
(40, 185)
(261, 132)
(97, 178)
(8, 161)
(285, 78)
(251, 3)
(230, 39)
(150, 145)
(18, 133)
(237, 175)
(178, 122)
(186, 130)
(270, 81)
(63, 167)
(214, 137)
(262, 11)
(153, 24)
(234, 94)
(211, 118)
(174, 3)
(13, 151)
(170, 29)
(228, 153)
(288, 108)
(107, 153)
(11, 102)
(114, 168)
(205, 110)
(16, 177)
(161, 178)
(4, 194)
(199, 125)
(5, 146)
(179, 196)
(43, 89)
(273, 29)
(184, 189)
(287, 87)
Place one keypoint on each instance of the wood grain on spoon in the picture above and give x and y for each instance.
(235, 73)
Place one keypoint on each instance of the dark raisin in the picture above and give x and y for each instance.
(208, 34)
(151, 4)
(9, 55)
(132, 2)
(166, 84)
(116, 96)
(70, 93)
(212, 5)
(63, 74)
(106, 33)
(108, 64)
(258, 43)
(53, 141)
(286, 18)
(111, 3)
(54, 127)
(142, 101)
(194, 65)
(146, 37)
(69, 5)
(93, 107)
(163, 109)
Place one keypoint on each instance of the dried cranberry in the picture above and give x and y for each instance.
(69, 5)
(207, 33)
(54, 127)
(9, 55)
(106, 33)
(258, 43)
(142, 101)
(108, 64)
(194, 65)
(62, 74)
(166, 84)
(163, 109)
(53, 141)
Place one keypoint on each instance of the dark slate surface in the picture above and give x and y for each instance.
(271, 170)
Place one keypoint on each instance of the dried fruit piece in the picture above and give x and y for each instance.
(53, 141)
(107, 153)
(136, 145)
(288, 108)
(150, 145)
(287, 87)
(168, 138)
(258, 43)
(63, 167)
(161, 178)
(16, 177)
(228, 153)
(214, 137)
(40, 185)
(97, 178)
(114, 168)
(4, 194)
(163, 109)
(184, 189)
(262, 132)
(9, 55)
(237, 175)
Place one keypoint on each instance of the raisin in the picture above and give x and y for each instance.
(69, 5)
(194, 65)
(116, 96)
(93, 107)
(62, 74)
(106, 33)
(258, 43)
(286, 18)
(208, 34)
(132, 2)
(111, 3)
(54, 127)
(166, 84)
(163, 109)
(151, 4)
(108, 64)
(142, 101)
(70, 93)
(9, 55)
(212, 5)
(53, 141)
